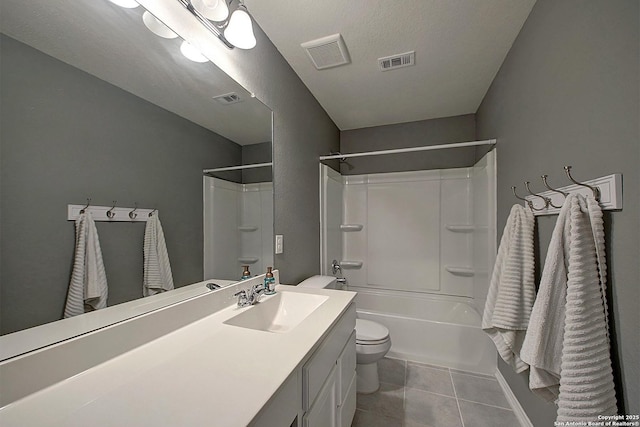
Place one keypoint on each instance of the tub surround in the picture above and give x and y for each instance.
(199, 373)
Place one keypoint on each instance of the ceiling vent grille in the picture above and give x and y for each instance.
(397, 61)
(228, 98)
(327, 52)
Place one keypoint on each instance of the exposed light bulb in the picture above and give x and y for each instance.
(239, 32)
(192, 53)
(128, 4)
(214, 10)
(157, 27)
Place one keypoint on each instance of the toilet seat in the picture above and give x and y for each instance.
(370, 333)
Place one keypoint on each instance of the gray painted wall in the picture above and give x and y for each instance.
(257, 153)
(567, 93)
(66, 136)
(404, 135)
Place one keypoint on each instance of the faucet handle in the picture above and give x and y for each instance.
(243, 299)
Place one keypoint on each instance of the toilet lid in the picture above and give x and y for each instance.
(367, 331)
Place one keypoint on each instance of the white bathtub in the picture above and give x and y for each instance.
(433, 329)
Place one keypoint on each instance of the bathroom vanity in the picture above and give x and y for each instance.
(286, 361)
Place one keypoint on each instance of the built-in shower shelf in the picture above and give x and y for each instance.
(460, 228)
(247, 228)
(351, 265)
(248, 260)
(460, 271)
(350, 227)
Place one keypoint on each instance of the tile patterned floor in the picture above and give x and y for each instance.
(417, 395)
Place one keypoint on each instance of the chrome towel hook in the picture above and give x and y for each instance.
(151, 213)
(546, 200)
(595, 190)
(133, 213)
(513, 188)
(110, 212)
(85, 208)
(546, 184)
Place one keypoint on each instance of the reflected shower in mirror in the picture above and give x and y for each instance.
(94, 105)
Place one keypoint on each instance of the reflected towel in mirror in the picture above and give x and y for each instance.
(157, 270)
(88, 287)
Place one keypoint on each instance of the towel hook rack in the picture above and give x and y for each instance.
(513, 188)
(85, 208)
(546, 184)
(546, 200)
(133, 213)
(595, 190)
(110, 212)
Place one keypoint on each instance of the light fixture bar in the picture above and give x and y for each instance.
(207, 24)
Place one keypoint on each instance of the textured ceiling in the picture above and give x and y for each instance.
(113, 44)
(459, 45)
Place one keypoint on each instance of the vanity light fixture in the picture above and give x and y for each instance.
(239, 31)
(192, 53)
(233, 31)
(157, 27)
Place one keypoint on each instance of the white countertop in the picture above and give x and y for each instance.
(206, 373)
(41, 336)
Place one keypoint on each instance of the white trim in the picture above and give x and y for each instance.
(610, 187)
(513, 401)
(120, 214)
(409, 150)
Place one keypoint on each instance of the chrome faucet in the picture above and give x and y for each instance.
(335, 267)
(249, 296)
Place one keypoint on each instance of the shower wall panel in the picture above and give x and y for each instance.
(405, 243)
(238, 228)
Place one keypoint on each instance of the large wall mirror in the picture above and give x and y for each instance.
(94, 105)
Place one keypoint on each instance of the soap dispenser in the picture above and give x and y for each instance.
(269, 282)
(246, 274)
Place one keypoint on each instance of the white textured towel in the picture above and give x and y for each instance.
(512, 289)
(567, 344)
(88, 286)
(157, 270)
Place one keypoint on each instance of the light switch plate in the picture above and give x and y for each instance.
(279, 244)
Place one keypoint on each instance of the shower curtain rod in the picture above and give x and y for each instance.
(411, 149)
(235, 168)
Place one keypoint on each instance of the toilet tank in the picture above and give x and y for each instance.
(319, 282)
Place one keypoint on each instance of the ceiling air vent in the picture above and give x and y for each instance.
(228, 98)
(397, 61)
(327, 52)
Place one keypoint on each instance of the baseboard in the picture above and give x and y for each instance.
(513, 402)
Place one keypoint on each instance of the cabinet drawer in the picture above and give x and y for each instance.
(317, 369)
(346, 366)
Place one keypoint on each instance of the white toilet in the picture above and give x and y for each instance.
(372, 342)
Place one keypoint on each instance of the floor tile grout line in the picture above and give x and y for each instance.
(487, 404)
(430, 392)
(471, 374)
(456, 396)
(404, 389)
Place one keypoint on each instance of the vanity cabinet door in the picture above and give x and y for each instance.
(323, 411)
(345, 382)
(317, 368)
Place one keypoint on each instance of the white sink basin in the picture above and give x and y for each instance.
(280, 313)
